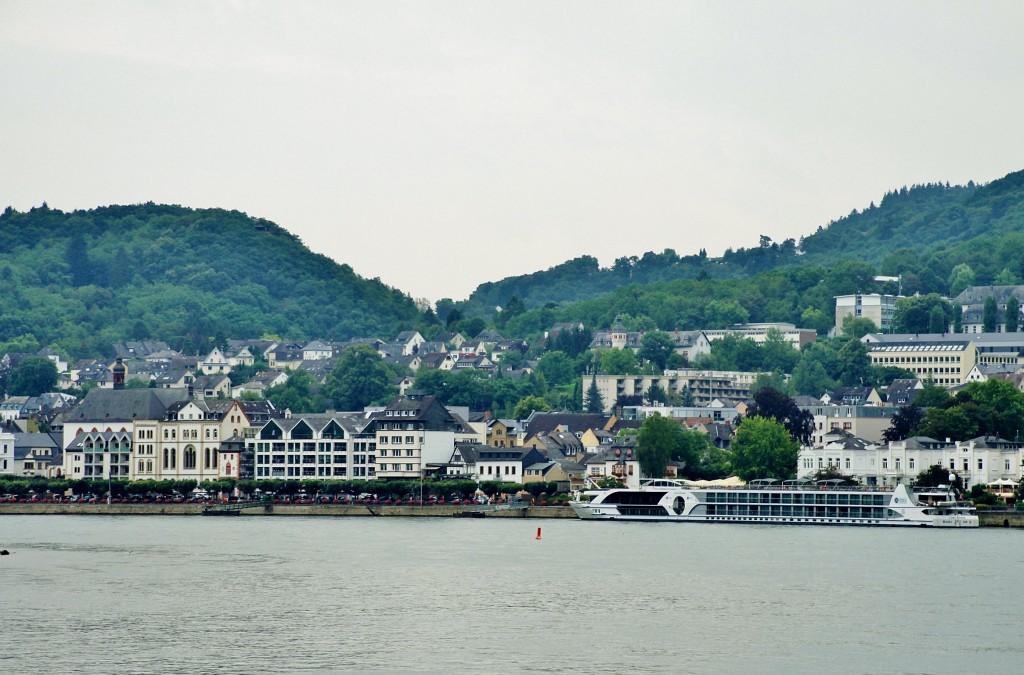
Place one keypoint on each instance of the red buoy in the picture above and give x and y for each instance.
(538, 534)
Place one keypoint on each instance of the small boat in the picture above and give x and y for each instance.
(769, 501)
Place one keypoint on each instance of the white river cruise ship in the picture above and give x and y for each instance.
(770, 501)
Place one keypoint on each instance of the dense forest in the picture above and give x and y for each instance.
(83, 280)
(80, 281)
(921, 234)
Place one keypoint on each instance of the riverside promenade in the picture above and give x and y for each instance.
(354, 510)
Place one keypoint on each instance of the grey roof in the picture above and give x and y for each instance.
(125, 405)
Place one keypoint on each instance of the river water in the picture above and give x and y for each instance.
(140, 594)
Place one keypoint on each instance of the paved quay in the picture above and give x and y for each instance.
(355, 510)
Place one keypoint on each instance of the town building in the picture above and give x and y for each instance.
(706, 386)
(972, 306)
(875, 306)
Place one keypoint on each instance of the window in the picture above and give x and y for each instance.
(910, 463)
(885, 462)
(190, 458)
(848, 463)
(981, 465)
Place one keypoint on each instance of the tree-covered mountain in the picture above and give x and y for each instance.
(919, 233)
(85, 279)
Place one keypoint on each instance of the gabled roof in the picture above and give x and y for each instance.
(125, 405)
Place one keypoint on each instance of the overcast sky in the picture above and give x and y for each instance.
(438, 145)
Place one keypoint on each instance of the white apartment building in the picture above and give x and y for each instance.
(978, 461)
(307, 447)
(877, 307)
(706, 386)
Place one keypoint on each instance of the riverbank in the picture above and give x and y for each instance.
(356, 510)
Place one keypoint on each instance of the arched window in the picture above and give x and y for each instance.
(227, 468)
(167, 458)
(190, 458)
(149, 465)
(206, 458)
(141, 465)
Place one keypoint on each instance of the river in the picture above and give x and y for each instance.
(141, 594)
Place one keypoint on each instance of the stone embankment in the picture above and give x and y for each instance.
(436, 510)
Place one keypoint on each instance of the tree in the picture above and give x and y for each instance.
(1012, 314)
(774, 380)
(772, 404)
(936, 475)
(655, 394)
(529, 405)
(932, 396)
(937, 322)
(810, 378)
(857, 326)
(777, 354)
(656, 347)
(35, 375)
(960, 278)
(659, 441)
(903, 423)
(619, 362)
(854, 363)
(763, 449)
(359, 377)
(557, 367)
(989, 315)
(592, 400)
(914, 315)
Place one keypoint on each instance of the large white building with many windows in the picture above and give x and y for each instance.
(979, 461)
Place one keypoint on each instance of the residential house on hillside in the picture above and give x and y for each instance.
(288, 355)
(474, 362)
(211, 386)
(179, 378)
(852, 396)
(215, 363)
(972, 305)
(903, 391)
(318, 368)
(58, 359)
(437, 361)
(432, 347)
(138, 349)
(453, 340)
(617, 337)
(410, 340)
(505, 346)
(257, 348)
(575, 423)
(242, 357)
(317, 350)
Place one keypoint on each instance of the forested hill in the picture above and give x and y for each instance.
(85, 279)
(920, 232)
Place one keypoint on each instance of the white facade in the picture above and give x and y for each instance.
(705, 385)
(6, 452)
(979, 461)
(879, 308)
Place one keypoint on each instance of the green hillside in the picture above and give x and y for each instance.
(936, 238)
(85, 279)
